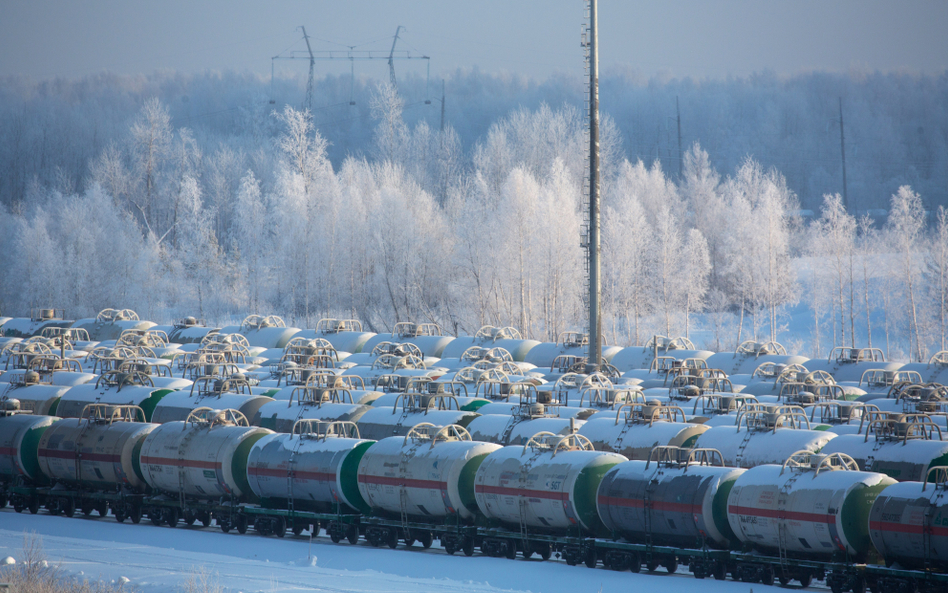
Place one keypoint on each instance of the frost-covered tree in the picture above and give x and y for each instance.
(937, 272)
(834, 237)
(151, 137)
(904, 229)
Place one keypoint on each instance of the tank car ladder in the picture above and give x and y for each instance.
(782, 497)
(403, 490)
(742, 447)
(181, 468)
(511, 425)
(522, 500)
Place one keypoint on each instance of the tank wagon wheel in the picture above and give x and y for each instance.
(720, 571)
(205, 519)
(512, 550)
(298, 528)
(591, 558)
(545, 551)
(392, 538)
(767, 577)
(87, 507)
(805, 579)
(635, 562)
(651, 565)
(189, 518)
(352, 534)
(18, 507)
(426, 538)
(154, 516)
(860, 585)
(102, 508)
(136, 515)
(335, 536)
(172, 516)
(467, 546)
(409, 542)
(672, 565)
(449, 549)
(3, 502)
(225, 526)
(242, 524)
(34, 505)
(70, 507)
(279, 527)
(784, 580)
(119, 514)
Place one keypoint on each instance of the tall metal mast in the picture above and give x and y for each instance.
(312, 70)
(391, 55)
(592, 235)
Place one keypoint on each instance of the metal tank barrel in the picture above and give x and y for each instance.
(20, 435)
(908, 522)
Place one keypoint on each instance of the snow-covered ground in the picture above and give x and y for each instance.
(160, 559)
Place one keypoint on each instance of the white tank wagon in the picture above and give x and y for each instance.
(233, 393)
(844, 417)
(605, 400)
(316, 466)
(426, 336)
(663, 372)
(263, 331)
(410, 409)
(637, 428)
(526, 419)
(936, 371)
(718, 408)
(764, 433)
(905, 398)
(397, 350)
(904, 447)
(812, 506)
(327, 404)
(99, 451)
(567, 344)
(345, 335)
(113, 388)
(489, 337)
(427, 386)
(908, 522)
(643, 357)
(849, 364)
(110, 323)
(325, 380)
(479, 357)
(34, 397)
(879, 383)
(676, 498)
(39, 319)
(187, 330)
(750, 354)
(315, 353)
(548, 484)
(20, 435)
(428, 473)
(204, 457)
(54, 370)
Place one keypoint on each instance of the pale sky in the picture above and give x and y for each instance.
(538, 38)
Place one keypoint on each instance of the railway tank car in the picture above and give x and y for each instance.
(20, 435)
(764, 433)
(34, 396)
(812, 506)
(212, 392)
(635, 429)
(489, 337)
(676, 498)
(312, 468)
(428, 473)
(426, 336)
(113, 388)
(410, 409)
(202, 458)
(110, 323)
(547, 485)
(903, 447)
(99, 451)
(908, 523)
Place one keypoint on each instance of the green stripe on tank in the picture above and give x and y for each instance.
(137, 458)
(29, 454)
(148, 406)
(239, 464)
(268, 422)
(270, 392)
(474, 405)
(940, 460)
(690, 442)
(467, 419)
(54, 406)
(466, 482)
(719, 509)
(854, 515)
(349, 477)
(584, 497)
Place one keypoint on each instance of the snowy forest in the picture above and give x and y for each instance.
(220, 195)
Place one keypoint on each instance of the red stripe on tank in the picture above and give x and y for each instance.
(407, 482)
(180, 462)
(902, 528)
(506, 491)
(785, 515)
(57, 454)
(299, 475)
(7, 451)
(658, 505)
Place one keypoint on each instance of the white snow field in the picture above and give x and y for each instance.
(160, 559)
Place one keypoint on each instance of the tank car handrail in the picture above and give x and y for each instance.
(109, 413)
(321, 429)
(704, 456)
(329, 325)
(351, 381)
(569, 442)
(450, 432)
(450, 386)
(659, 412)
(921, 423)
(803, 460)
(212, 417)
(123, 379)
(406, 399)
(941, 477)
(940, 357)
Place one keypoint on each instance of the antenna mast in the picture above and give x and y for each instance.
(590, 238)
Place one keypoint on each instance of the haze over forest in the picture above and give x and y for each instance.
(218, 194)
